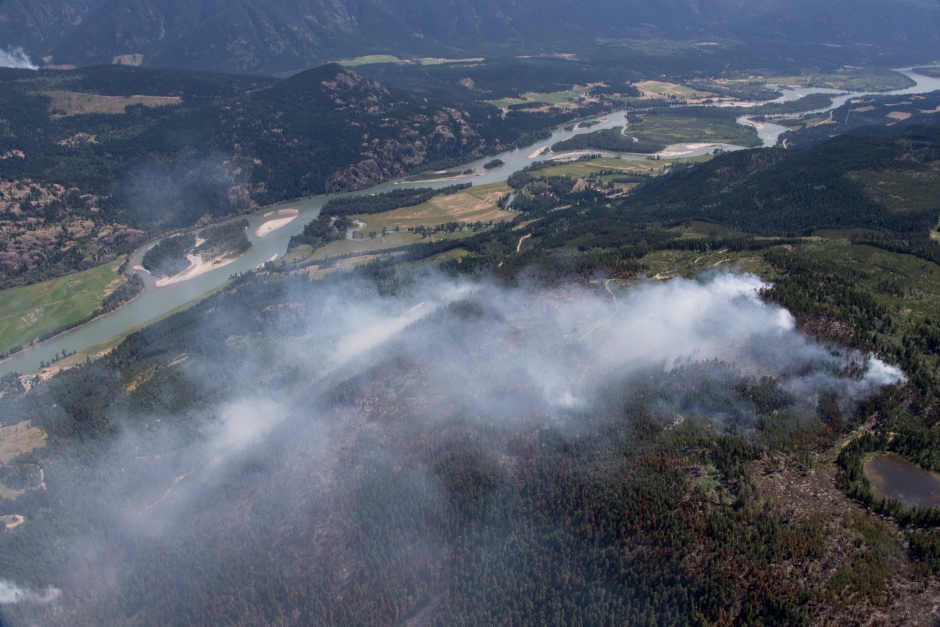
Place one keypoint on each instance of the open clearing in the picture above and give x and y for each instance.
(476, 204)
(437, 61)
(18, 439)
(659, 89)
(370, 59)
(561, 99)
(28, 312)
(374, 59)
(581, 169)
(65, 103)
(856, 79)
(680, 127)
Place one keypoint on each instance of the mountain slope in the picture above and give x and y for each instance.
(250, 35)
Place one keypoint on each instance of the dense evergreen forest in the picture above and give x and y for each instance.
(294, 451)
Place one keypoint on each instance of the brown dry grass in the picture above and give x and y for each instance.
(18, 439)
(477, 204)
(65, 103)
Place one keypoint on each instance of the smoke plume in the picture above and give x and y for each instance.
(11, 594)
(329, 416)
(16, 58)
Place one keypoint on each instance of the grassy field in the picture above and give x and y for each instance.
(681, 127)
(370, 59)
(582, 169)
(476, 204)
(18, 439)
(65, 103)
(867, 79)
(436, 61)
(28, 312)
(374, 59)
(659, 88)
(560, 99)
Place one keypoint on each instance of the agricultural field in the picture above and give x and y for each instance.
(370, 59)
(854, 79)
(437, 61)
(475, 204)
(376, 59)
(66, 103)
(674, 127)
(28, 312)
(659, 89)
(583, 169)
(561, 99)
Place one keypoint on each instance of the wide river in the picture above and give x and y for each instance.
(156, 301)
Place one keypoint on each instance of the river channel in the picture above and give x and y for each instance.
(156, 301)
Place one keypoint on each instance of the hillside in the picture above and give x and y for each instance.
(96, 159)
(637, 435)
(254, 36)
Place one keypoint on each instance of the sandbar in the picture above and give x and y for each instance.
(284, 217)
(196, 268)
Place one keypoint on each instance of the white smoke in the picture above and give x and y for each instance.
(11, 594)
(242, 423)
(16, 58)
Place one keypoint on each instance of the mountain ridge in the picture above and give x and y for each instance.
(248, 36)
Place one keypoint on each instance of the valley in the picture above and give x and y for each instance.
(571, 312)
(156, 300)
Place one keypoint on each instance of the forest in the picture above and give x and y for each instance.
(293, 450)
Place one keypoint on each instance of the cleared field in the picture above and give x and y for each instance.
(581, 169)
(436, 61)
(561, 99)
(476, 204)
(28, 312)
(18, 439)
(675, 128)
(370, 59)
(867, 79)
(66, 103)
(349, 246)
(659, 88)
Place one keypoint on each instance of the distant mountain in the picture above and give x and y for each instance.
(283, 35)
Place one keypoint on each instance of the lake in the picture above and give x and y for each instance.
(894, 477)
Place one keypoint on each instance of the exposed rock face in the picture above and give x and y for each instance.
(446, 133)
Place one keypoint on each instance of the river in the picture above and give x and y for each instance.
(156, 301)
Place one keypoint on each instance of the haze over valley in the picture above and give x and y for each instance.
(470, 313)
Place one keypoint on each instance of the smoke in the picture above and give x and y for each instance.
(11, 594)
(328, 415)
(16, 58)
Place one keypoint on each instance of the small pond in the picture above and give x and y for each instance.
(894, 477)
